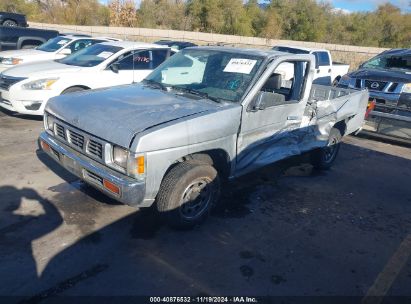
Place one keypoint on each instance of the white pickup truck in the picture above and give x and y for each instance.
(327, 72)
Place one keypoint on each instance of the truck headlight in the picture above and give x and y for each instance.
(406, 88)
(344, 81)
(11, 61)
(120, 156)
(41, 84)
(48, 123)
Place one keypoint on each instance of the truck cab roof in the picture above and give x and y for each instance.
(246, 51)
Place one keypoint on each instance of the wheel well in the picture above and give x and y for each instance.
(217, 158)
(77, 86)
(341, 126)
(30, 42)
(10, 19)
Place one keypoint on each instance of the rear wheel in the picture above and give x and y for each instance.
(9, 22)
(188, 193)
(72, 90)
(324, 158)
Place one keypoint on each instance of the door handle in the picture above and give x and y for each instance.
(292, 117)
(318, 71)
(329, 71)
(183, 73)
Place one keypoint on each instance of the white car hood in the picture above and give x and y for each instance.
(28, 55)
(41, 69)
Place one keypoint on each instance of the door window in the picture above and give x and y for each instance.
(158, 57)
(125, 61)
(322, 58)
(287, 87)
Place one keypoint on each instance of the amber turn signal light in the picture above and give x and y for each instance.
(140, 164)
(45, 146)
(111, 187)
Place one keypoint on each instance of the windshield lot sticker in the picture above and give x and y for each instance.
(105, 55)
(238, 65)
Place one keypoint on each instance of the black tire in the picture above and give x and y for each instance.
(9, 22)
(324, 158)
(72, 90)
(187, 194)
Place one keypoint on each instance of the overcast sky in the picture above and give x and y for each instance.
(350, 5)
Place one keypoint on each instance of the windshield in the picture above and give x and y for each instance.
(54, 44)
(91, 56)
(390, 62)
(218, 75)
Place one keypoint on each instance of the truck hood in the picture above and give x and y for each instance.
(29, 54)
(381, 75)
(40, 69)
(117, 114)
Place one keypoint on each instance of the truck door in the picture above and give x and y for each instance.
(271, 120)
(323, 68)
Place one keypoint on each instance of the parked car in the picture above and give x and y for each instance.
(55, 48)
(388, 79)
(176, 45)
(26, 88)
(13, 19)
(15, 38)
(171, 140)
(327, 72)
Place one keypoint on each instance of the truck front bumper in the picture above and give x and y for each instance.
(129, 191)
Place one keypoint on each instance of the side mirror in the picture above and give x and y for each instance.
(65, 52)
(115, 67)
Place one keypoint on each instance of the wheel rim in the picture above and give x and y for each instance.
(196, 198)
(9, 23)
(331, 150)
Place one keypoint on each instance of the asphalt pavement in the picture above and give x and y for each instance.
(285, 230)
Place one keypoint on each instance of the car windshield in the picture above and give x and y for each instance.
(91, 56)
(54, 44)
(217, 75)
(390, 62)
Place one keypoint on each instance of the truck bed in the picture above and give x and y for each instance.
(332, 105)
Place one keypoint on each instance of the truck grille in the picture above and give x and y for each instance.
(76, 139)
(95, 148)
(375, 85)
(7, 81)
(60, 131)
(79, 140)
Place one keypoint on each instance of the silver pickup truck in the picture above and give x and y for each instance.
(205, 115)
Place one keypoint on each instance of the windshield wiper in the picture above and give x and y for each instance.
(157, 84)
(197, 93)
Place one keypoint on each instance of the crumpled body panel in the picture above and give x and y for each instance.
(327, 106)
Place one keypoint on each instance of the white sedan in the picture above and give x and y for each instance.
(26, 88)
(55, 48)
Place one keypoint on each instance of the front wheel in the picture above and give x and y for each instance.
(324, 158)
(9, 23)
(188, 193)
